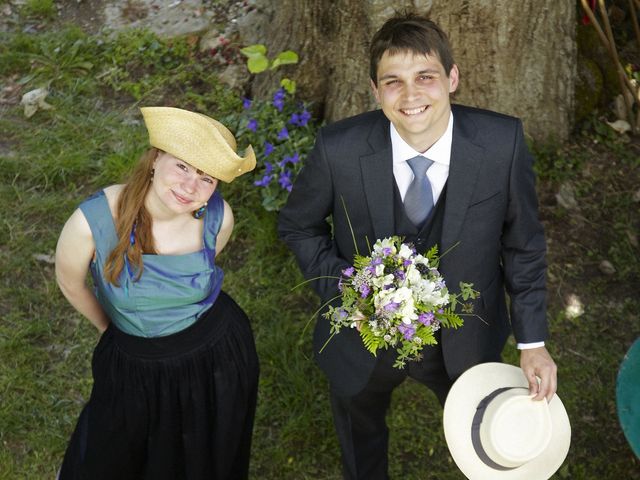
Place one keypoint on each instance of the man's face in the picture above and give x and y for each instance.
(413, 92)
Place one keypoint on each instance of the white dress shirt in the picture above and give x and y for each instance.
(440, 153)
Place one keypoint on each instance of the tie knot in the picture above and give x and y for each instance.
(420, 165)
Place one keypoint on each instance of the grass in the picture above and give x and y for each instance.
(48, 163)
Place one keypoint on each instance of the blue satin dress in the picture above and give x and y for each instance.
(175, 374)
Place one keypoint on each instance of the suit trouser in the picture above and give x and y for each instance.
(360, 420)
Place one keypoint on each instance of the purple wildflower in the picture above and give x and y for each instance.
(426, 318)
(268, 168)
(399, 274)
(348, 272)
(391, 306)
(376, 261)
(246, 103)
(283, 134)
(268, 149)
(289, 158)
(264, 181)
(386, 251)
(278, 99)
(364, 290)
(407, 262)
(252, 125)
(285, 180)
(407, 331)
(304, 118)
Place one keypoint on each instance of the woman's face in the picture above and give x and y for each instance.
(179, 186)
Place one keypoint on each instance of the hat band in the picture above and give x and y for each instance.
(475, 430)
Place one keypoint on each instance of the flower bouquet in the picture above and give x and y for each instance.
(396, 297)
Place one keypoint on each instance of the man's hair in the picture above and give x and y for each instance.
(409, 32)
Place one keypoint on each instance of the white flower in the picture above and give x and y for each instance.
(405, 251)
(380, 245)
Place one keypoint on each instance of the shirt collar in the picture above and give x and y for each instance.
(439, 152)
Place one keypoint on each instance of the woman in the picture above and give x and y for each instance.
(175, 371)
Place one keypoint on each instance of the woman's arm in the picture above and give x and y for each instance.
(74, 253)
(225, 229)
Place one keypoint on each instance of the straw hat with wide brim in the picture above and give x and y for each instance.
(201, 141)
(496, 431)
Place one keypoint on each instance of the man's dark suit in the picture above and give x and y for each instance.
(490, 215)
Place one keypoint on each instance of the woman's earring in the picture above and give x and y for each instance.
(153, 171)
(199, 212)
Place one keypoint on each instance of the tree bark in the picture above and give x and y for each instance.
(517, 58)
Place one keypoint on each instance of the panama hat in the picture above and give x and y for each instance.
(201, 141)
(496, 431)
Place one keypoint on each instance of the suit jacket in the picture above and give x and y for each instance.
(490, 212)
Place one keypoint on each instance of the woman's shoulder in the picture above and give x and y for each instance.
(112, 194)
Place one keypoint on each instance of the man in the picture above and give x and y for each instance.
(480, 197)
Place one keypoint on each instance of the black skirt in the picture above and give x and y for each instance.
(174, 407)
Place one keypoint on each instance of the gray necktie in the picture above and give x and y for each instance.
(418, 201)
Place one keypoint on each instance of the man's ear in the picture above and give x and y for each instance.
(454, 77)
(374, 90)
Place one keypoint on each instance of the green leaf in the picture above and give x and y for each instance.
(287, 57)
(258, 50)
(288, 85)
(257, 64)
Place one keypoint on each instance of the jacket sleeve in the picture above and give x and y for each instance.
(303, 223)
(524, 249)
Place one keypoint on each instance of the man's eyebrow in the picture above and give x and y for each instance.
(421, 72)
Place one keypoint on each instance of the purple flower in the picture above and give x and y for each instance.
(283, 134)
(391, 306)
(399, 275)
(376, 261)
(285, 180)
(278, 99)
(300, 119)
(364, 290)
(264, 181)
(252, 125)
(304, 118)
(246, 103)
(426, 318)
(407, 331)
(289, 158)
(386, 251)
(268, 168)
(407, 262)
(348, 272)
(268, 149)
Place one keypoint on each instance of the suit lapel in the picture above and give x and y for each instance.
(466, 159)
(377, 179)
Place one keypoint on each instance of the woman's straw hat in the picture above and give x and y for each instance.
(203, 142)
(496, 431)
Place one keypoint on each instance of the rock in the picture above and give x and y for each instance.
(566, 197)
(165, 19)
(42, 257)
(34, 100)
(573, 306)
(234, 75)
(620, 126)
(251, 27)
(607, 267)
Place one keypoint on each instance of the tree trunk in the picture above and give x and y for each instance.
(514, 57)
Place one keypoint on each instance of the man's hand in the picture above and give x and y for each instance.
(536, 362)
